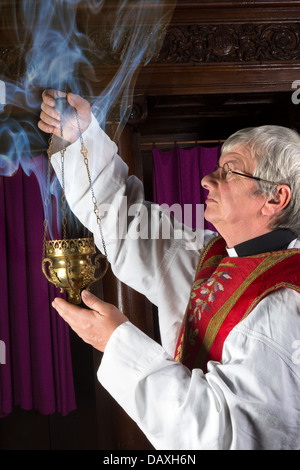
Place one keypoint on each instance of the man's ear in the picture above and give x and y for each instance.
(278, 201)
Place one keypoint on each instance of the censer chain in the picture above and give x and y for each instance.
(47, 198)
(84, 153)
(70, 267)
(64, 206)
(63, 195)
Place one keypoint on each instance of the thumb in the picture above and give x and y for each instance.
(109, 314)
(81, 104)
(92, 302)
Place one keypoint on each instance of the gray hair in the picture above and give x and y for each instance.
(276, 150)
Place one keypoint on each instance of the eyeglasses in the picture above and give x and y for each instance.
(226, 171)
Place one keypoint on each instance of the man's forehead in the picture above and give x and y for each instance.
(239, 153)
(232, 156)
(240, 156)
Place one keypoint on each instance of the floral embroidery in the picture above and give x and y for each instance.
(192, 336)
(207, 294)
(213, 300)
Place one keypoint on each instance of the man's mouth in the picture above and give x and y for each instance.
(210, 199)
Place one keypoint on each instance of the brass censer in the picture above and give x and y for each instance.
(71, 264)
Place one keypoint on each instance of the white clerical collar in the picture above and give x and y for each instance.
(231, 252)
(272, 241)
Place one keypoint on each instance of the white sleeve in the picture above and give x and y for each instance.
(132, 228)
(250, 401)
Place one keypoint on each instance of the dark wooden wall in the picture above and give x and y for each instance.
(223, 65)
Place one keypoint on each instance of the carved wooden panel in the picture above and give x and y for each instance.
(250, 43)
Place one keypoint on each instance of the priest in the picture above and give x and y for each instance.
(225, 375)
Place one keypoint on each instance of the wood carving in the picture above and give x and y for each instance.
(192, 44)
(231, 43)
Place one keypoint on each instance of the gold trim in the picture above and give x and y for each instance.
(183, 337)
(204, 253)
(70, 246)
(220, 316)
(260, 297)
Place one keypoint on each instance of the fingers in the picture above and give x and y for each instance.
(50, 115)
(66, 310)
(94, 325)
(49, 129)
(49, 101)
(83, 322)
(91, 325)
(80, 319)
(50, 111)
(49, 96)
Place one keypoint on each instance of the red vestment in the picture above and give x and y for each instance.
(224, 292)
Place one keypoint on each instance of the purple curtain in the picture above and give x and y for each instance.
(177, 177)
(37, 373)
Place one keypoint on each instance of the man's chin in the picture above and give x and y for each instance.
(211, 219)
(208, 216)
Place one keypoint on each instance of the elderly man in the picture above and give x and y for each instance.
(226, 375)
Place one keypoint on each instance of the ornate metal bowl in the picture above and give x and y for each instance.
(71, 267)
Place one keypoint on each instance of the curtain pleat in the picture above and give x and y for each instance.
(177, 175)
(38, 370)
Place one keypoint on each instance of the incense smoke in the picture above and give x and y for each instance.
(58, 56)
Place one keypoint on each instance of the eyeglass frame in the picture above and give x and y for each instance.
(229, 171)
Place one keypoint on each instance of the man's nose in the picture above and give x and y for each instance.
(209, 181)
